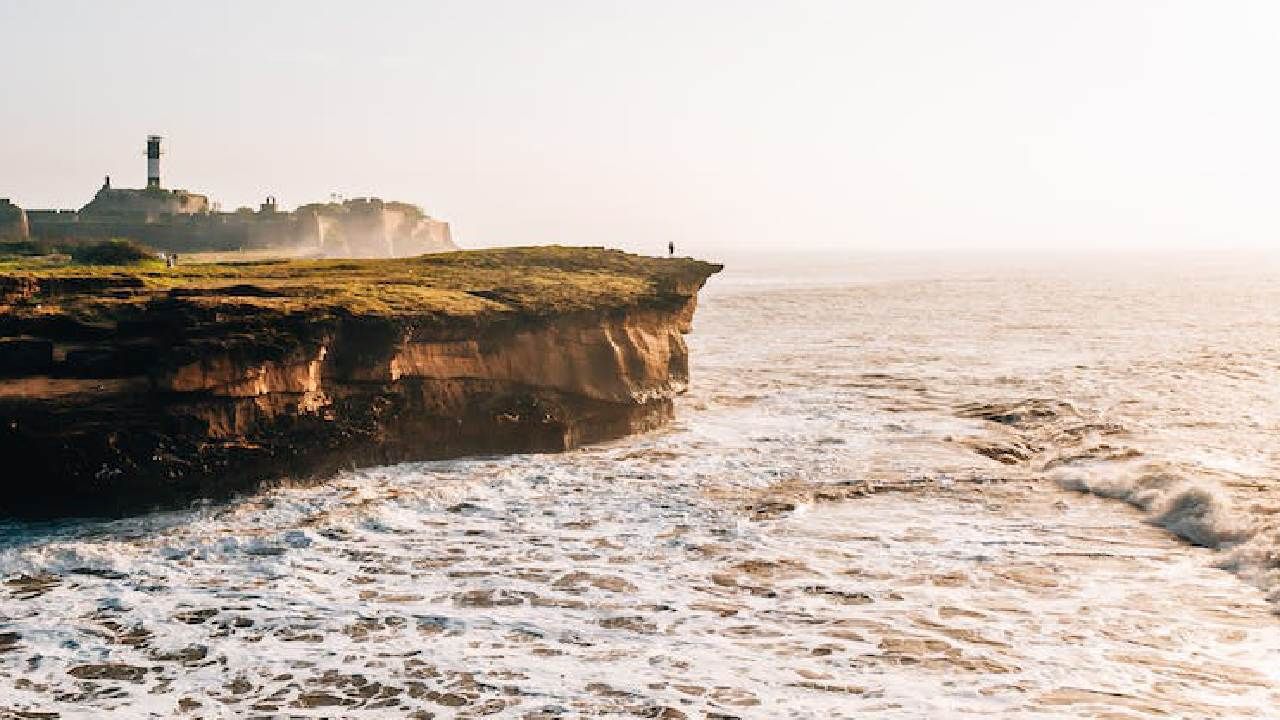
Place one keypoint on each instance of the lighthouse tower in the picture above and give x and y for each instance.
(153, 162)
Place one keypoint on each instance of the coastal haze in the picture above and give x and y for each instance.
(980, 418)
(727, 127)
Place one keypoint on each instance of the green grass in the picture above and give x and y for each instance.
(537, 280)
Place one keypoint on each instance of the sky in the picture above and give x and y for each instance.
(726, 127)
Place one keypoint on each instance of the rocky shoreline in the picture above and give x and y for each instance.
(125, 390)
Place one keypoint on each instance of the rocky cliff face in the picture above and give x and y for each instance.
(189, 392)
(372, 228)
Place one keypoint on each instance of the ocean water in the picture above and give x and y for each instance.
(898, 488)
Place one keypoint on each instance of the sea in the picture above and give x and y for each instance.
(898, 486)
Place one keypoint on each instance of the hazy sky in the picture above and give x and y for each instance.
(895, 124)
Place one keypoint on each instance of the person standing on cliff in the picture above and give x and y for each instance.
(671, 248)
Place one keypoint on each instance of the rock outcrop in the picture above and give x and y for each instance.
(125, 391)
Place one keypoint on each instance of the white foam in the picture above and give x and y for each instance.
(1201, 513)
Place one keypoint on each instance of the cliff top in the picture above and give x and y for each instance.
(464, 284)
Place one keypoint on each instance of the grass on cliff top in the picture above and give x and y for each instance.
(551, 279)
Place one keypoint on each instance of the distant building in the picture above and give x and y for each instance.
(150, 205)
(183, 221)
(13, 221)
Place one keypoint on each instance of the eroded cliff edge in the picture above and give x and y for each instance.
(127, 389)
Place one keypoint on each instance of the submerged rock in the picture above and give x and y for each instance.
(109, 671)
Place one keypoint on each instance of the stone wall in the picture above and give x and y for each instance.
(13, 221)
(150, 204)
(365, 228)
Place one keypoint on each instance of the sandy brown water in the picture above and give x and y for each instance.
(900, 489)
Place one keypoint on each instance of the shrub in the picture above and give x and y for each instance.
(26, 247)
(116, 251)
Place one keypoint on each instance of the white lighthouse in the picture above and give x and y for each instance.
(153, 162)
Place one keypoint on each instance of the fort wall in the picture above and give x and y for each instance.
(357, 228)
(13, 221)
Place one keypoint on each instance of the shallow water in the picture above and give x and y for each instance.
(915, 489)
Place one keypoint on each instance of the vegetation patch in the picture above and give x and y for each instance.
(119, 281)
(116, 251)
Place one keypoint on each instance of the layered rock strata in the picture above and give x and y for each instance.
(208, 389)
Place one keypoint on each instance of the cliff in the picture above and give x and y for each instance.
(373, 228)
(125, 389)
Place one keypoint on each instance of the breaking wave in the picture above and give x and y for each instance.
(1199, 513)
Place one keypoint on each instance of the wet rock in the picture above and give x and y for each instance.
(320, 699)
(913, 647)
(724, 579)
(9, 640)
(563, 603)
(831, 687)
(606, 690)
(133, 636)
(490, 598)
(448, 699)
(191, 653)
(734, 696)
(1020, 414)
(634, 623)
(779, 569)
(1030, 576)
(549, 712)
(195, 617)
(27, 587)
(970, 635)
(843, 597)
(770, 510)
(360, 630)
(1010, 452)
(264, 549)
(948, 611)
(104, 573)
(721, 609)
(578, 581)
(491, 706)
(109, 671)
(300, 634)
